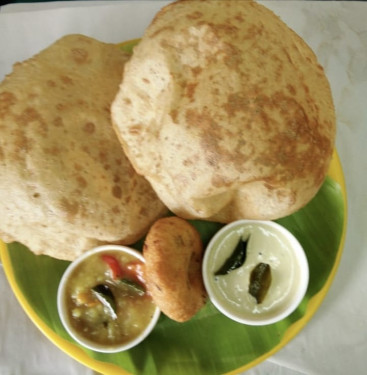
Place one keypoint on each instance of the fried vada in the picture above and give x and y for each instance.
(173, 253)
(226, 111)
(65, 182)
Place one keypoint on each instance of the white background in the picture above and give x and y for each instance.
(335, 340)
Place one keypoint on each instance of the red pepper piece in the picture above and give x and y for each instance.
(116, 271)
(135, 270)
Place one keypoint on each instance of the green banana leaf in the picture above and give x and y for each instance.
(209, 343)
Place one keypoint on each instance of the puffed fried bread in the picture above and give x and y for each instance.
(226, 111)
(65, 182)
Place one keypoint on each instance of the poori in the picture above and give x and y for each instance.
(226, 111)
(65, 182)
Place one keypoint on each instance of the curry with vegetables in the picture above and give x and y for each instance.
(107, 298)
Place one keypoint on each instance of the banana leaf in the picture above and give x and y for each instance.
(209, 343)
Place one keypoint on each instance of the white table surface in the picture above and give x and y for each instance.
(335, 340)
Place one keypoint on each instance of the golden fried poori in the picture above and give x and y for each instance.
(65, 182)
(226, 111)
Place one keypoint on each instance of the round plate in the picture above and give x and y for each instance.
(209, 343)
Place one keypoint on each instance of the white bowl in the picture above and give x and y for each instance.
(268, 243)
(66, 318)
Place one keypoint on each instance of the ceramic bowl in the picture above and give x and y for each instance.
(68, 311)
(255, 272)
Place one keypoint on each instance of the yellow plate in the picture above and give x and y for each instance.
(168, 332)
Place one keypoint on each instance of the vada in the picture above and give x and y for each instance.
(173, 254)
